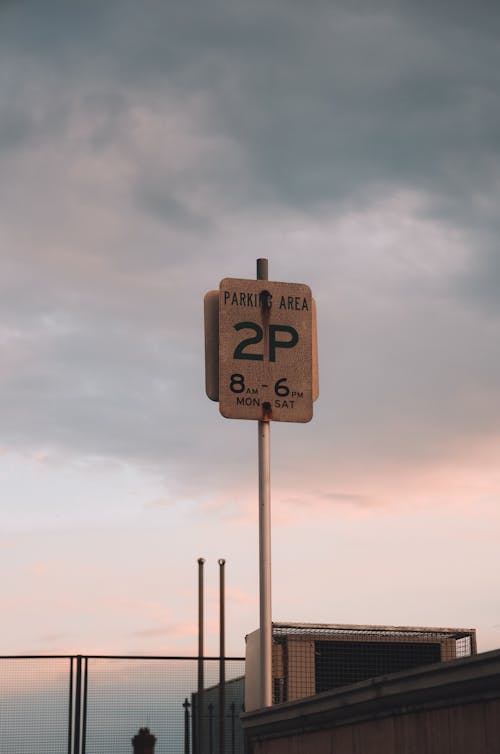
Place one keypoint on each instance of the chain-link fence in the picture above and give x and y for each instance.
(35, 705)
(96, 705)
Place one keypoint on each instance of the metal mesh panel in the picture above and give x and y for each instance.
(34, 705)
(124, 695)
(210, 731)
(309, 659)
(339, 663)
(96, 705)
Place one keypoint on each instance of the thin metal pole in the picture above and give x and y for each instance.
(473, 643)
(78, 704)
(186, 706)
(201, 650)
(262, 269)
(70, 711)
(222, 658)
(264, 434)
(194, 720)
(84, 714)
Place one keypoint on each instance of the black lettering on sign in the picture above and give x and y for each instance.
(289, 341)
(294, 303)
(237, 384)
(247, 401)
(275, 343)
(239, 351)
(280, 388)
(241, 298)
(283, 404)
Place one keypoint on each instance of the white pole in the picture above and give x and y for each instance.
(264, 430)
(265, 564)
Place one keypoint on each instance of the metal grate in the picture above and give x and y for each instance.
(208, 710)
(127, 694)
(35, 694)
(311, 658)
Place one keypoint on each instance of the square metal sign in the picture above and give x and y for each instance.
(265, 350)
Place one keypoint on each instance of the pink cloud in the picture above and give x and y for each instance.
(40, 568)
(241, 597)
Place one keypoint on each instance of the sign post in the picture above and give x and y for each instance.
(261, 364)
(265, 603)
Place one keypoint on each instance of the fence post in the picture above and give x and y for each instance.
(78, 705)
(70, 709)
(197, 738)
(222, 658)
(84, 706)
(186, 706)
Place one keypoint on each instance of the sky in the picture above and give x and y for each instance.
(149, 150)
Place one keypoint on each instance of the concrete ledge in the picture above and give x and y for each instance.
(463, 681)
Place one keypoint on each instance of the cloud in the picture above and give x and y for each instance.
(152, 632)
(241, 597)
(404, 368)
(53, 638)
(160, 503)
(479, 287)
(146, 153)
(40, 568)
(313, 119)
(172, 631)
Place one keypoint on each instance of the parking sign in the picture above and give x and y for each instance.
(265, 350)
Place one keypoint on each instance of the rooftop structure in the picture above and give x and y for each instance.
(309, 658)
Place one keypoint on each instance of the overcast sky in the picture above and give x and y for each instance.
(148, 150)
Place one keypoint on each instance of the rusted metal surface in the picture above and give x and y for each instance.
(211, 312)
(266, 350)
(267, 411)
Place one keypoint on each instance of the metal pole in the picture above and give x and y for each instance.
(84, 714)
(194, 720)
(186, 706)
(78, 704)
(201, 680)
(264, 431)
(70, 711)
(222, 658)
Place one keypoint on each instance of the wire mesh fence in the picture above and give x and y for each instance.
(96, 705)
(35, 714)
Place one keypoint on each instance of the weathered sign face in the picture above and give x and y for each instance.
(265, 350)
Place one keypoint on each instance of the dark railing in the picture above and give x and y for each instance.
(96, 704)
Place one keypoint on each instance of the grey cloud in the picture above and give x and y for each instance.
(480, 284)
(158, 200)
(295, 115)
(326, 103)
